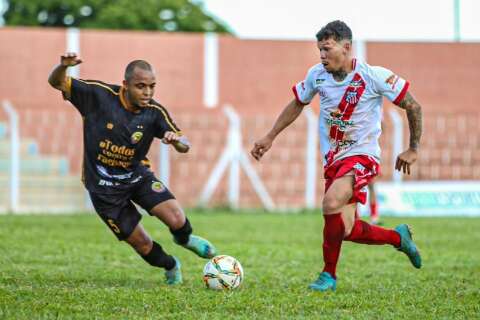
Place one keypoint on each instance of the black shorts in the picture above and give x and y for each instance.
(118, 211)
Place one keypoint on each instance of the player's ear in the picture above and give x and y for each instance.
(124, 83)
(347, 46)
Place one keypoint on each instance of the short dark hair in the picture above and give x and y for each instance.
(338, 30)
(142, 64)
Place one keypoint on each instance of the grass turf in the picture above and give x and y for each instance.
(72, 267)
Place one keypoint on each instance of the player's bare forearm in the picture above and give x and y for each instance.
(58, 77)
(288, 115)
(179, 142)
(182, 145)
(414, 116)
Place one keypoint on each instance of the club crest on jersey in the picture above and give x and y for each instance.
(157, 186)
(136, 137)
(109, 126)
(352, 97)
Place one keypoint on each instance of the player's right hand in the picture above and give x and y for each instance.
(260, 147)
(70, 59)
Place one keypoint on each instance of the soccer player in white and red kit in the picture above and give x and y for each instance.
(351, 94)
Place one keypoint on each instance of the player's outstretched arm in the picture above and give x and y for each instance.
(288, 115)
(58, 77)
(180, 143)
(414, 116)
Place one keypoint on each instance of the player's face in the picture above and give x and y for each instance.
(333, 54)
(140, 88)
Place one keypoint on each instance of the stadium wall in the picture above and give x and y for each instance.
(255, 76)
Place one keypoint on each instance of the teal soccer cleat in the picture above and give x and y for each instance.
(407, 245)
(324, 282)
(174, 276)
(202, 247)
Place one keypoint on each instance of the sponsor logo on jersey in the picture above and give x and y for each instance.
(104, 172)
(136, 137)
(105, 183)
(319, 81)
(392, 80)
(341, 124)
(342, 144)
(335, 114)
(322, 93)
(157, 186)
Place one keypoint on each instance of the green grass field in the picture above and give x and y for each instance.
(72, 267)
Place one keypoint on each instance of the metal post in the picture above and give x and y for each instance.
(235, 140)
(73, 45)
(234, 156)
(14, 155)
(397, 141)
(456, 20)
(311, 159)
(210, 70)
(164, 164)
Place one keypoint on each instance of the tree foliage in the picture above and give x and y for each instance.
(164, 15)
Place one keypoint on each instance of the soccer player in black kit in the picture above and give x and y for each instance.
(119, 125)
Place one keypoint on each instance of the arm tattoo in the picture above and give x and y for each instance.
(414, 116)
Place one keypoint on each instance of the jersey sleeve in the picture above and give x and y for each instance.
(304, 91)
(165, 123)
(389, 85)
(80, 94)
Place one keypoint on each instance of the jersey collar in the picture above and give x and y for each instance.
(125, 104)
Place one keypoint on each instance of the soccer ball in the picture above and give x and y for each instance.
(223, 273)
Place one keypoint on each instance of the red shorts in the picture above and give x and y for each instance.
(364, 168)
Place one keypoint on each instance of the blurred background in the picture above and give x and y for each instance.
(225, 71)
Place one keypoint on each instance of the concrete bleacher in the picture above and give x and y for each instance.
(45, 180)
(449, 151)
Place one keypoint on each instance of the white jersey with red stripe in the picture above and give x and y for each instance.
(350, 110)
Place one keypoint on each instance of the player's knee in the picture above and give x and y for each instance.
(176, 219)
(182, 234)
(331, 205)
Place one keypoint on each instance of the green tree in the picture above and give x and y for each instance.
(164, 15)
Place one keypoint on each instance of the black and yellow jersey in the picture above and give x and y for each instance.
(116, 140)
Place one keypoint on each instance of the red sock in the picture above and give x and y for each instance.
(363, 232)
(333, 233)
(373, 210)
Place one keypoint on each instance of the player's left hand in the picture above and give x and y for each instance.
(170, 137)
(405, 160)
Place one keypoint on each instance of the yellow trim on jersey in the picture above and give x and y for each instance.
(68, 86)
(122, 100)
(100, 85)
(167, 118)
